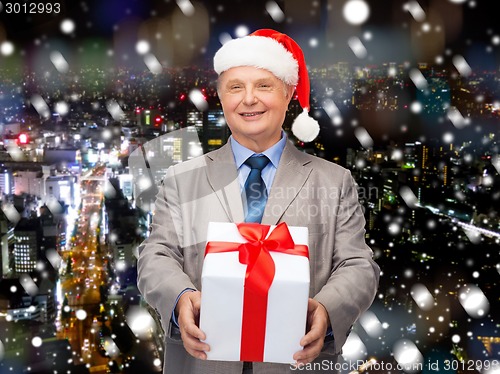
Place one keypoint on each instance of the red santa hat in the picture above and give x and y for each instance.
(281, 55)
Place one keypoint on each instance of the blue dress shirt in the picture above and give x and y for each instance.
(241, 154)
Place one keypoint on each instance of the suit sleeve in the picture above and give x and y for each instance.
(354, 278)
(160, 264)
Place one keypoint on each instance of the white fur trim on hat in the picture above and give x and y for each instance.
(260, 52)
(305, 128)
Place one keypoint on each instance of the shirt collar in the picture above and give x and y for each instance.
(274, 153)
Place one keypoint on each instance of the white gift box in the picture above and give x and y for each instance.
(222, 281)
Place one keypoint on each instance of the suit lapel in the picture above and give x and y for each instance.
(293, 171)
(223, 178)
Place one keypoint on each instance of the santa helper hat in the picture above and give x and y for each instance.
(281, 55)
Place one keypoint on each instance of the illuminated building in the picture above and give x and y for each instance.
(60, 187)
(27, 239)
(215, 130)
(6, 245)
(53, 227)
(39, 308)
(6, 183)
(150, 120)
(28, 182)
(488, 341)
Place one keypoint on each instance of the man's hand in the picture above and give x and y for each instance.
(188, 317)
(317, 323)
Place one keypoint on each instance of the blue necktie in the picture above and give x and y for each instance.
(255, 189)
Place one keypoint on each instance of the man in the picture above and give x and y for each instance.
(258, 75)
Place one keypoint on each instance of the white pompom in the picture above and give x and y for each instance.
(305, 128)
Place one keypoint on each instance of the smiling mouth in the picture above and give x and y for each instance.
(252, 114)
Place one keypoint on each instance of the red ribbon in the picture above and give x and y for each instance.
(258, 278)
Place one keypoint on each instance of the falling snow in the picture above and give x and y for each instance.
(59, 62)
(6, 48)
(357, 47)
(474, 301)
(371, 324)
(186, 7)
(356, 12)
(153, 64)
(198, 99)
(115, 110)
(333, 112)
(275, 11)
(456, 117)
(41, 106)
(363, 137)
(140, 322)
(415, 10)
(81, 314)
(68, 26)
(462, 66)
(241, 31)
(418, 79)
(62, 108)
(423, 298)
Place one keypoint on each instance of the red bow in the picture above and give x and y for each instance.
(258, 278)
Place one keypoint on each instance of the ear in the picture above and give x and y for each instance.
(290, 90)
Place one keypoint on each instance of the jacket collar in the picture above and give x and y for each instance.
(293, 171)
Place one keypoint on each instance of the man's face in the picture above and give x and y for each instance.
(255, 102)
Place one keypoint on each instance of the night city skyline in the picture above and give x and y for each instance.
(99, 99)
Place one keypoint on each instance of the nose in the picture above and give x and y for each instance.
(250, 98)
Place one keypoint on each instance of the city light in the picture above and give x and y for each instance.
(23, 139)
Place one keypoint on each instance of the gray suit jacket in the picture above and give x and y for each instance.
(307, 191)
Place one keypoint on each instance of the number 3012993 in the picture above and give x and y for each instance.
(31, 8)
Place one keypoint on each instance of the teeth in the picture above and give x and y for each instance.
(249, 114)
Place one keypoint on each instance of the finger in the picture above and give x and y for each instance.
(194, 344)
(196, 300)
(314, 334)
(309, 353)
(187, 323)
(197, 354)
(193, 330)
(198, 344)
